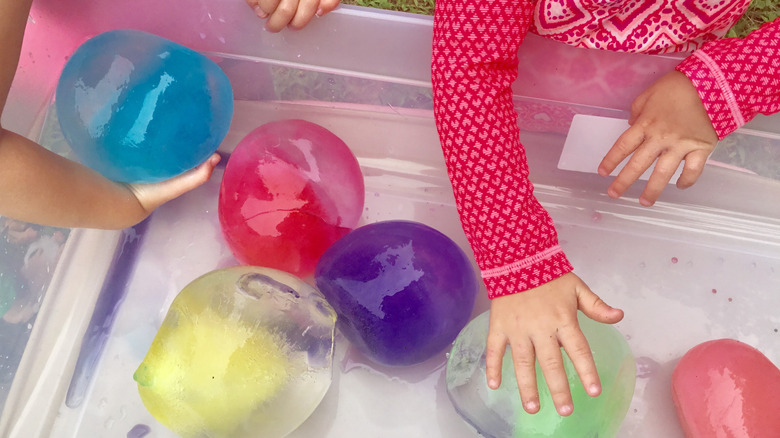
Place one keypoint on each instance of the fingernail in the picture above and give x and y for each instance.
(565, 410)
(612, 193)
(602, 171)
(320, 12)
(645, 202)
(260, 12)
(493, 383)
(594, 390)
(532, 406)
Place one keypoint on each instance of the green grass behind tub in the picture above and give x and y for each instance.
(758, 13)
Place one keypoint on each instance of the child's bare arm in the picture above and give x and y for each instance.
(13, 19)
(39, 186)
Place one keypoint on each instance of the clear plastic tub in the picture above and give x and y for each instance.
(699, 265)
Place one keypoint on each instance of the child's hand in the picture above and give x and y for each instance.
(293, 13)
(668, 124)
(535, 324)
(152, 195)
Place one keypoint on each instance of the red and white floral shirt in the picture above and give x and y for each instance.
(475, 61)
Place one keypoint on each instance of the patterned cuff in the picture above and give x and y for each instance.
(715, 92)
(526, 274)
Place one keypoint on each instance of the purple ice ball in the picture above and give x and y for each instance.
(402, 290)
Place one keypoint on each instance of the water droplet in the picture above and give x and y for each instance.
(595, 217)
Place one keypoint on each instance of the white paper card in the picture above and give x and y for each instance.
(589, 139)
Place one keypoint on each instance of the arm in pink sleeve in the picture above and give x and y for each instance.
(737, 78)
(474, 64)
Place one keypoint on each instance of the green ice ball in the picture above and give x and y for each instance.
(499, 413)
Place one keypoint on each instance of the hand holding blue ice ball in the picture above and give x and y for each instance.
(140, 108)
(402, 290)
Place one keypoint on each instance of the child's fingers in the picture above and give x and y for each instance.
(494, 357)
(282, 15)
(264, 8)
(641, 160)
(524, 361)
(694, 166)
(624, 146)
(576, 346)
(327, 6)
(664, 170)
(258, 8)
(304, 14)
(548, 353)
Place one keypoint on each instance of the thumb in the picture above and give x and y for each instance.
(595, 308)
(152, 195)
(637, 106)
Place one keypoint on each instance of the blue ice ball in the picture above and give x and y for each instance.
(402, 290)
(140, 108)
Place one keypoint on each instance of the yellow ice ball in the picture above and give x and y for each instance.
(205, 372)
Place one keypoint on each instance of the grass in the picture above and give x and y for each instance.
(424, 7)
(758, 13)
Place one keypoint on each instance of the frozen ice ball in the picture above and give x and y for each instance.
(243, 352)
(402, 290)
(140, 108)
(726, 387)
(499, 413)
(290, 189)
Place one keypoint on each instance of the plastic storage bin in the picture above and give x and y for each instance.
(699, 265)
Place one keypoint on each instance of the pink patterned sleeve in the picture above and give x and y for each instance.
(737, 78)
(474, 64)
